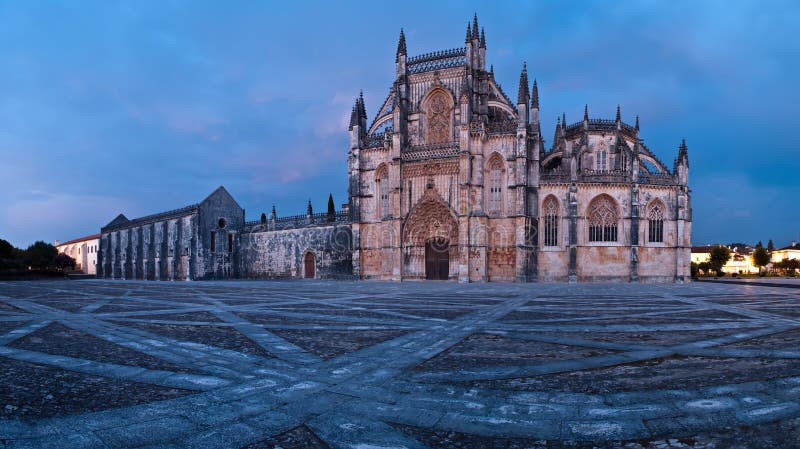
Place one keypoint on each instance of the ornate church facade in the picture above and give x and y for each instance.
(453, 180)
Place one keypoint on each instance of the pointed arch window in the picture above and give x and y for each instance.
(495, 187)
(550, 222)
(602, 161)
(383, 193)
(655, 224)
(603, 219)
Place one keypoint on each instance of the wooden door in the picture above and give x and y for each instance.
(437, 259)
(310, 266)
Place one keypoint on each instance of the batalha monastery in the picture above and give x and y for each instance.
(451, 180)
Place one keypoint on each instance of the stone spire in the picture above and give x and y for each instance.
(354, 116)
(469, 33)
(683, 153)
(558, 131)
(483, 39)
(586, 113)
(362, 109)
(274, 215)
(564, 121)
(535, 95)
(523, 94)
(637, 123)
(618, 115)
(401, 46)
(475, 26)
(310, 209)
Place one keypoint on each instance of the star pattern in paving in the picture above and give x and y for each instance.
(397, 365)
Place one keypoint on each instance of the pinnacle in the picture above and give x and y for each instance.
(523, 93)
(586, 113)
(535, 95)
(401, 45)
(618, 114)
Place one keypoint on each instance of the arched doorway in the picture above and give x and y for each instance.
(310, 263)
(437, 259)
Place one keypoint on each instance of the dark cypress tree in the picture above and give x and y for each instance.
(263, 218)
(331, 208)
(770, 246)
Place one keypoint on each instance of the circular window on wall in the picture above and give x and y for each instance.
(222, 223)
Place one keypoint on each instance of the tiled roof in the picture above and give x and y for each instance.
(82, 239)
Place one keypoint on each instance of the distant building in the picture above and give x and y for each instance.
(786, 253)
(739, 263)
(83, 250)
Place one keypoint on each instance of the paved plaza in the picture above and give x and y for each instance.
(369, 365)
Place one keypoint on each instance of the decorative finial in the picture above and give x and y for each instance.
(618, 115)
(475, 26)
(469, 33)
(310, 210)
(483, 39)
(535, 95)
(564, 120)
(585, 112)
(491, 69)
(637, 123)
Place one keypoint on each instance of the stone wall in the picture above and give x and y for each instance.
(281, 254)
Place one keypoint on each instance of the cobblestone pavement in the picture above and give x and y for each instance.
(373, 365)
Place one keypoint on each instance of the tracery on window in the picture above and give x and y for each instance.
(655, 224)
(383, 193)
(603, 219)
(496, 186)
(550, 210)
(601, 160)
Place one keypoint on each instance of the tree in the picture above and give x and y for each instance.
(770, 246)
(40, 255)
(263, 218)
(63, 261)
(331, 208)
(10, 257)
(720, 255)
(6, 249)
(760, 258)
(759, 244)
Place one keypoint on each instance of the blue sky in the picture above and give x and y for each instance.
(143, 106)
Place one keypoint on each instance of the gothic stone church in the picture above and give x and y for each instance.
(452, 180)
